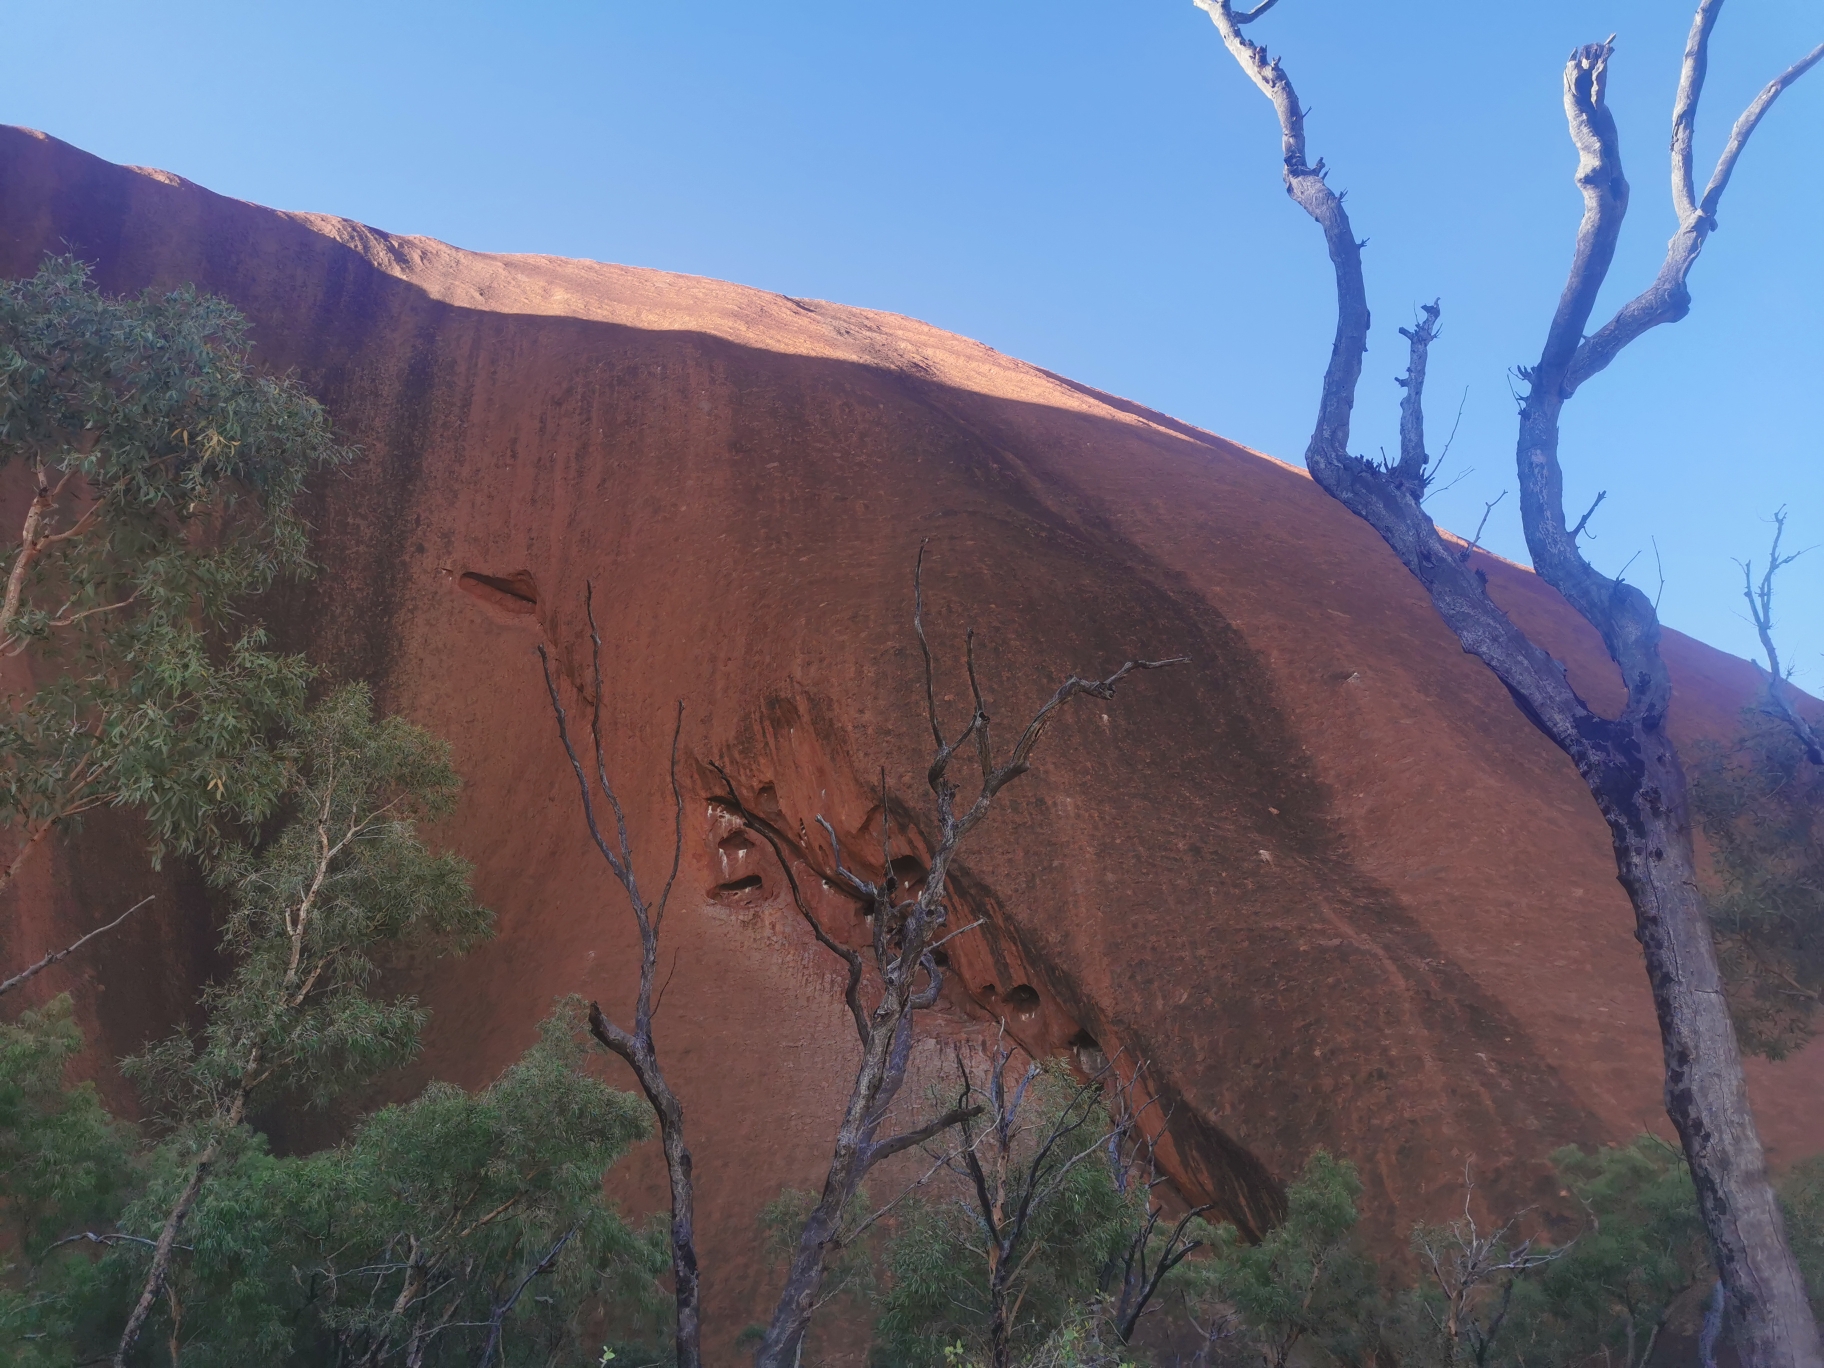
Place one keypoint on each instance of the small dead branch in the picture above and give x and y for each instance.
(1760, 607)
(32, 971)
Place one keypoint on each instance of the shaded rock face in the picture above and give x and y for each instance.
(1324, 879)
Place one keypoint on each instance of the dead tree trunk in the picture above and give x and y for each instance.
(1013, 1167)
(636, 1046)
(907, 928)
(1628, 762)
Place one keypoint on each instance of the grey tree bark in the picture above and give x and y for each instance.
(1628, 762)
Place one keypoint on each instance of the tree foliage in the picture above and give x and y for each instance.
(65, 1165)
(1304, 1289)
(1632, 1266)
(1761, 803)
(444, 1229)
(444, 1222)
(164, 475)
(344, 879)
(1641, 1258)
(1043, 1146)
(1803, 1197)
(164, 470)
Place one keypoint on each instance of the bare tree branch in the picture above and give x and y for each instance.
(1588, 513)
(1760, 607)
(851, 993)
(886, 1149)
(1476, 541)
(1413, 460)
(1747, 123)
(505, 1309)
(27, 974)
(1255, 13)
(1667, 299)
(1462, 1260)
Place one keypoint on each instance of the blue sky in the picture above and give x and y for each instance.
(1089, 185)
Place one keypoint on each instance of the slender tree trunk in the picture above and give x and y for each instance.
(1706, 1092)
(684, 1272)
(31, 543)
(804, 1275)
(1000, 1331)
(39, 830)
(167, 1244)
(638, 1052)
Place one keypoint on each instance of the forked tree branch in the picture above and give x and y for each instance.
(500, 1313)
(1388, 505)
(1667, 299)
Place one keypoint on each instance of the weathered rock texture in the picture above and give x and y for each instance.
(1325, 879)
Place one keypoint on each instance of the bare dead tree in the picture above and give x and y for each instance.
(636, 1046)
(1021, 1155)
(1147, 1260)
(1760, 607)
(906, 929)
(1628, 761)
(1475, 1273)
(1007, 1194)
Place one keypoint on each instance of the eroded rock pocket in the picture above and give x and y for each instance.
(516, 593)
(1023, 998)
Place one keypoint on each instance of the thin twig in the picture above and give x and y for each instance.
(1584, 521)
(1476, 541)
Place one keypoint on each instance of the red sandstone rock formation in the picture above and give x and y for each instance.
(1325, 879)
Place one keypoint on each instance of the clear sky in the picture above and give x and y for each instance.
(1089, 184)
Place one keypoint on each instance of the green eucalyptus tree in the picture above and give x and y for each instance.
(457, 1228)
(1761, 803)
(160, 472)
(345, 878)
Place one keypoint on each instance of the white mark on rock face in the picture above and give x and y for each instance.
(1266, 857)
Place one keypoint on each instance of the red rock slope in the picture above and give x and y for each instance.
(1325, 879)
